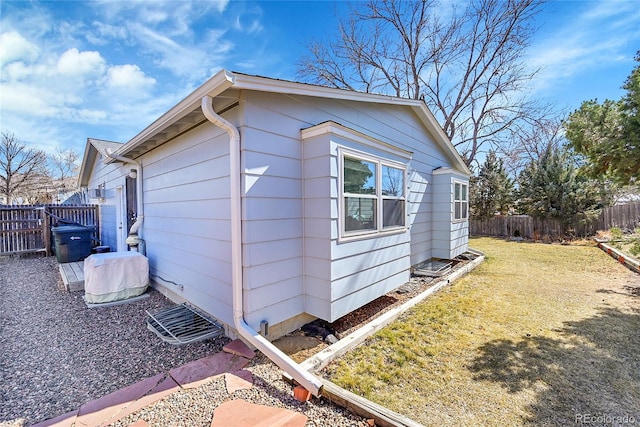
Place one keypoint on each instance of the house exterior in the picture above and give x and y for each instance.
(340, 194)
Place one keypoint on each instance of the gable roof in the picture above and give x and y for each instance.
(187, 113)
(91, 151)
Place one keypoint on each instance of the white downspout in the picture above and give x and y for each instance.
(303, 377)
(135, 228)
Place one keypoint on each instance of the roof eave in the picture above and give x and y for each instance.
(92, 149)
(265, 84)
(224, 80)
(212, 87)
(89, 156)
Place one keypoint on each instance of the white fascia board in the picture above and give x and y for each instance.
(212, 87)
(265, 84)
(87, 160)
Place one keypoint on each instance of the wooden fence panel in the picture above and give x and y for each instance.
(21, 230)
(622, 216)
(85, 215)
(26, 229)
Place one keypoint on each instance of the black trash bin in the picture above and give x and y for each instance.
(72, 242)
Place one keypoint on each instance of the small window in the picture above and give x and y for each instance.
(392, 197)
(373, 192)
(460, 201)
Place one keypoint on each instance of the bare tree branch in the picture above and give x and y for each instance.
(20, 167)
(467, 65)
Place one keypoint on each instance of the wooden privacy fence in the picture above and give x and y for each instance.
(27, 229)
(622, 216)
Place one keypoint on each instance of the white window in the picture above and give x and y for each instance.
(460, 201)
(373, 194)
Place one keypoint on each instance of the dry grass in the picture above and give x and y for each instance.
(537, 335)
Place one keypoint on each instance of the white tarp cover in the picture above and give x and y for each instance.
(115, 276)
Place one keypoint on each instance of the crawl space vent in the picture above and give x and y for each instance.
(433, 268)
(182, 325)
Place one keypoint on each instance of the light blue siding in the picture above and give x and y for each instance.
(341, 276)
(111, 177)
(295, 260)
(187, 218)
(450, 237)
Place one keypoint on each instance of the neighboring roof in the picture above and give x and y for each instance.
(187, 112)
(91, 150)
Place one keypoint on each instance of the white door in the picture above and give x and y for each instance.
(121, 219)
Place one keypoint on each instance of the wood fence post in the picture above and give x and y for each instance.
(46, 231)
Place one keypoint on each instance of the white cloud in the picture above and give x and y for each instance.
(76, 63)
(182, 60)
(14, 47)
(595, 37)
(220, 5)
(86, 72)
(171, 35)
(16, 71)
(253, 26)
(102, 33)
(27, 99)
(129, 77)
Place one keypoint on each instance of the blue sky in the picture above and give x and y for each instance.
(107, 69)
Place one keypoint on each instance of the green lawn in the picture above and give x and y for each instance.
(538, 334)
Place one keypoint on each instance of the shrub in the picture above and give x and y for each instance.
(616, 233)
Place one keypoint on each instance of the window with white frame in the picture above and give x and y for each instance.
(460, 201)
(373, 193)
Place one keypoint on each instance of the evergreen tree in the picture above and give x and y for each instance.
(552, 186)
(608, 134)
(492, 189)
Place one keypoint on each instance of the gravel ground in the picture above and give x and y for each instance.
(58, 354)
(197, 405)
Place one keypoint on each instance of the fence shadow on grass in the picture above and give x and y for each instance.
(591, 369)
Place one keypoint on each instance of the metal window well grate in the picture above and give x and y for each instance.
(433, 268)
(182, 325)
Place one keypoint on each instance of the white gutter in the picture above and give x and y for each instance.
(284, 362)
(135, 228)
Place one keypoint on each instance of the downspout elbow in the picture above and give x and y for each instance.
(284, 362)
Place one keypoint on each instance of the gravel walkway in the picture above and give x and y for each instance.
(57, 354)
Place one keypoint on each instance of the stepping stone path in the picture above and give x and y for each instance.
(230, 363)
(240, 413)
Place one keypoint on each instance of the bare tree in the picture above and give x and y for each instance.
(531, 138)
(21, 168)
(468, 66)
(63, 164)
